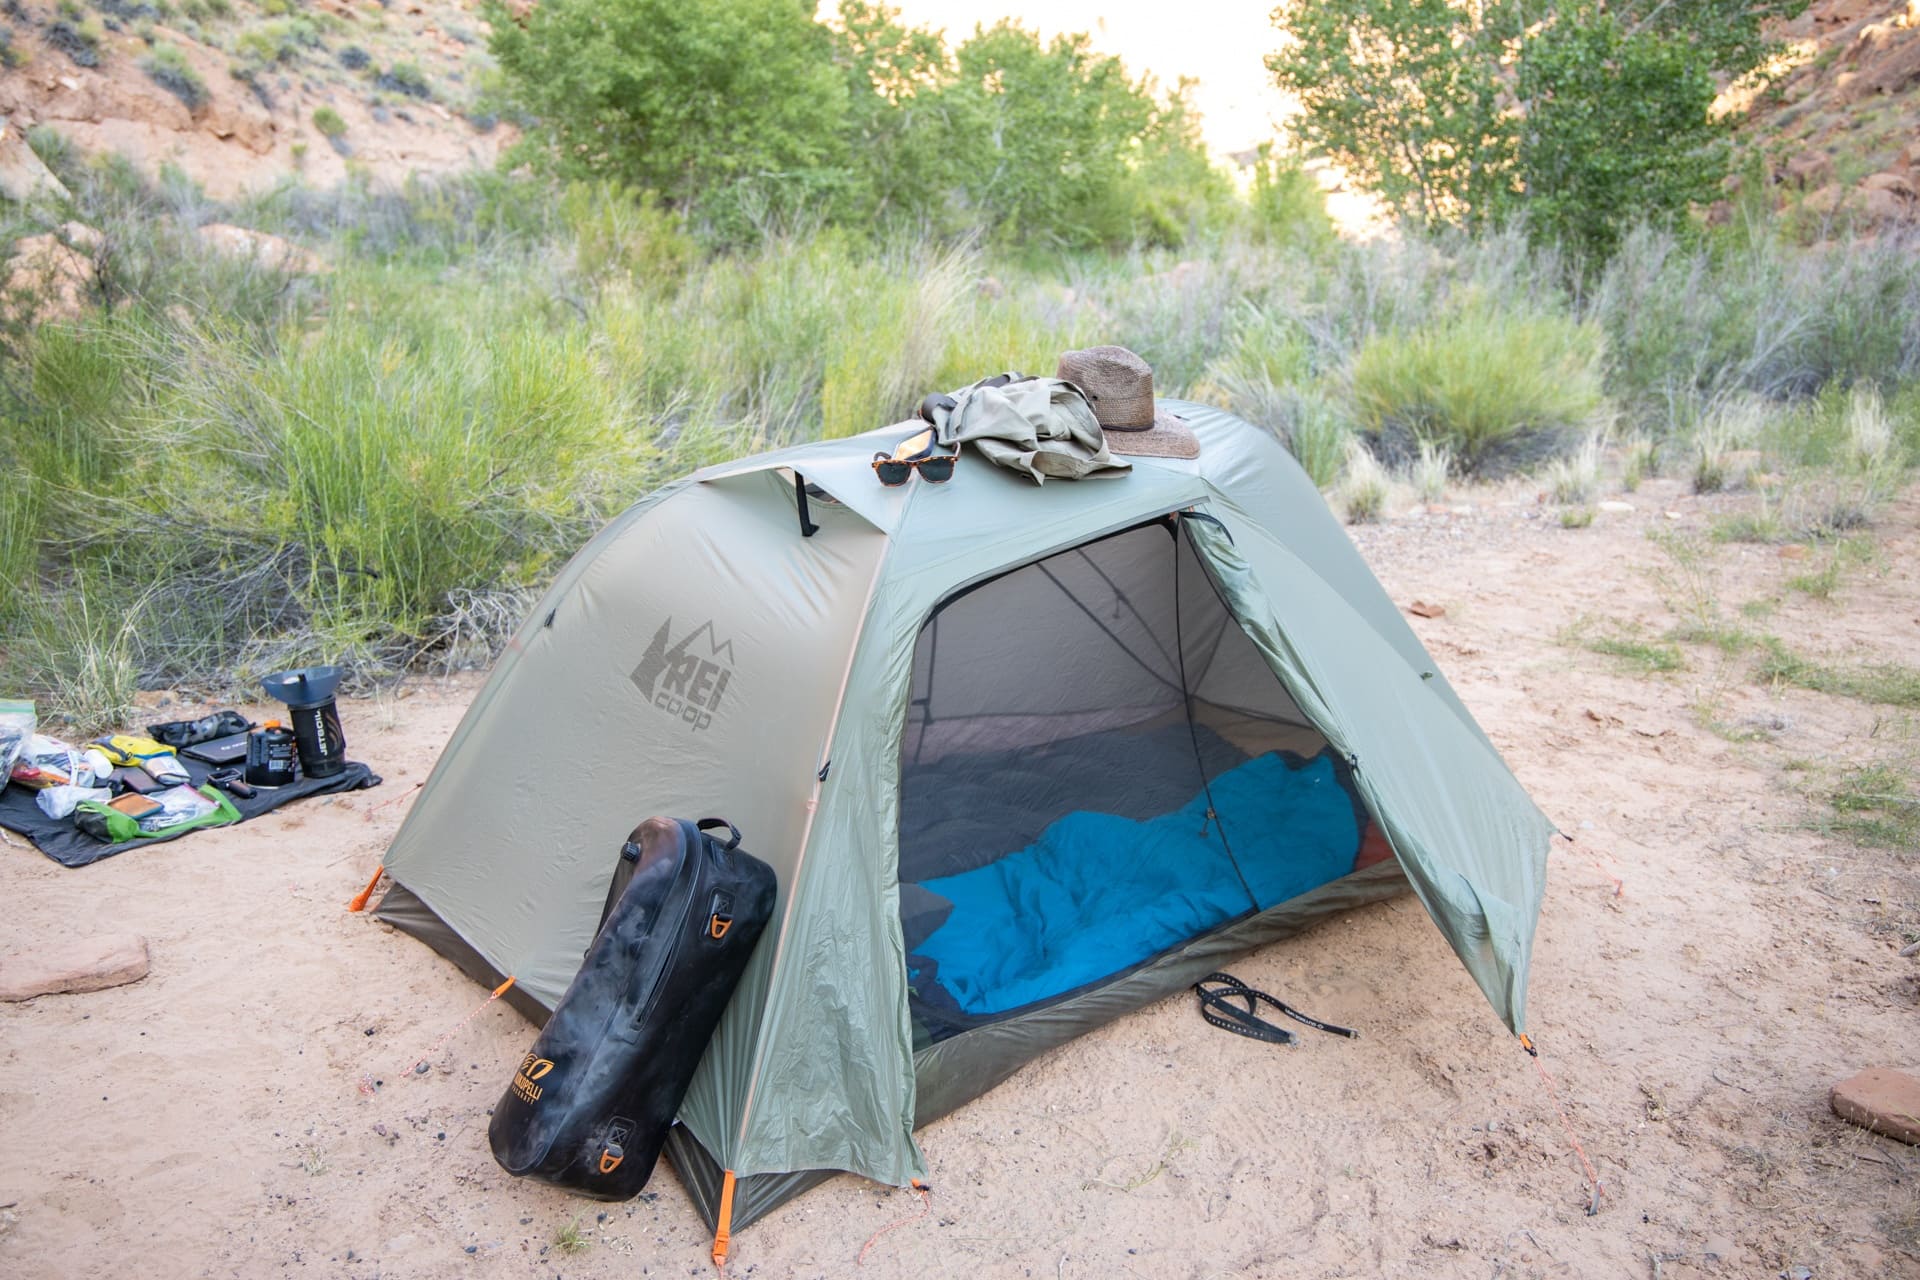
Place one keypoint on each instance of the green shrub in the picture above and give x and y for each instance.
(1688, 325)
(623, 233)
(52, 148)
(404, 78)
(79, 41)
(329, 122)
(167, 67)
(1495, 385)
(1318, 436)
(1286, 204)
(1880, 805)
(278, 42)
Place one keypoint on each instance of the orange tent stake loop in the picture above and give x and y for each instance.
(724, 1226)
(359, 902)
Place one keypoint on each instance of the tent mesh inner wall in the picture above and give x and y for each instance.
(1098, 766)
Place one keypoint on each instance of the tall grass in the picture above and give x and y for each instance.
(221, 468)
(1486, 382)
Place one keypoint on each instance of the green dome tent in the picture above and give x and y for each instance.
(1024, 757)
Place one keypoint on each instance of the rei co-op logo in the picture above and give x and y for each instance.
(526, 1080)
(686, 677)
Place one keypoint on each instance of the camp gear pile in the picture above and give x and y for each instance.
(81, 802)
(918, 656)
(589, 1106)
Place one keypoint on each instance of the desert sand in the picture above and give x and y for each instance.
(1708, 965)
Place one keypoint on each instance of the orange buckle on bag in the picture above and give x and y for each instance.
(610, 1159)
(717, 927)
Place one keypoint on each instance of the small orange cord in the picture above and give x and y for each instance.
(1553, 1096)
(359, 902)
(921, 1189)
(721, 1233)
(502, 988)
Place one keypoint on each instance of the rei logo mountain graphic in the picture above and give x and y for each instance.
(531, 1070)
(683, 678)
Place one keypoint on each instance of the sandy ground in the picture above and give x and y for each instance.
(208, 1120)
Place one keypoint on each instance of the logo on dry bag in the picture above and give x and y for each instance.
(531, 1069)
(683, 679)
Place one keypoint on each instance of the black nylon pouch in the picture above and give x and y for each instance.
(591, 1103)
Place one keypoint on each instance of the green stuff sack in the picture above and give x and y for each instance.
(113, 827)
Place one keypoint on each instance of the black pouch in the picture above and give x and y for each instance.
(186, 733)
(591, 1103)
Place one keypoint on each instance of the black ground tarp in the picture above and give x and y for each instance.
(60, 840)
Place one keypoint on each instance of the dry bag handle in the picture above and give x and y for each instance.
(732, 844)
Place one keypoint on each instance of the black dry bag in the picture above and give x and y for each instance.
(590, 1105)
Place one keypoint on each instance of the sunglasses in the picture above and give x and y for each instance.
(915, 452)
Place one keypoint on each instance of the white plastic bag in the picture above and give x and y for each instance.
(177, 805)
(46, 762)
(17, 723)
(59, 802)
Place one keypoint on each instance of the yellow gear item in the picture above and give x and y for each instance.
(130, 749)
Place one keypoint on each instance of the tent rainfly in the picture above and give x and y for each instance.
(1024, 758)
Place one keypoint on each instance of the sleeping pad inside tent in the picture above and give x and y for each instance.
(1149, 780)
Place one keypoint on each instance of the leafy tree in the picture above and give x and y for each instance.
(1177, 188)
(1047, 131)
(1585, 115)
(730, 108)
(901, 128)
(723, 109)
(1617, 127)
(1287, 204)
(1028, 139)
(1403, 94)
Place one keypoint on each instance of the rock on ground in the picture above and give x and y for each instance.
(23, 177)
(270, 251)
(49, 277)
(1882, 1100)
(74, 965)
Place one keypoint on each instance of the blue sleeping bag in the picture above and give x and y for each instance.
(1097, 893)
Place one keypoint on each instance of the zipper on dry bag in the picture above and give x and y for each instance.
(683, 881)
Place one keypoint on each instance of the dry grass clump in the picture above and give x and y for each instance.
(1575, 477)
(1430, 471)
(1364, 487)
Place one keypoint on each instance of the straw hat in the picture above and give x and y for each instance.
(1120, 385)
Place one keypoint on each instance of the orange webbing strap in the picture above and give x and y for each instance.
(724, 1226)
(359, 902)
(926, 1207)
(1553, 1094)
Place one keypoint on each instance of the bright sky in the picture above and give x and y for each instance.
(1221, 43)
